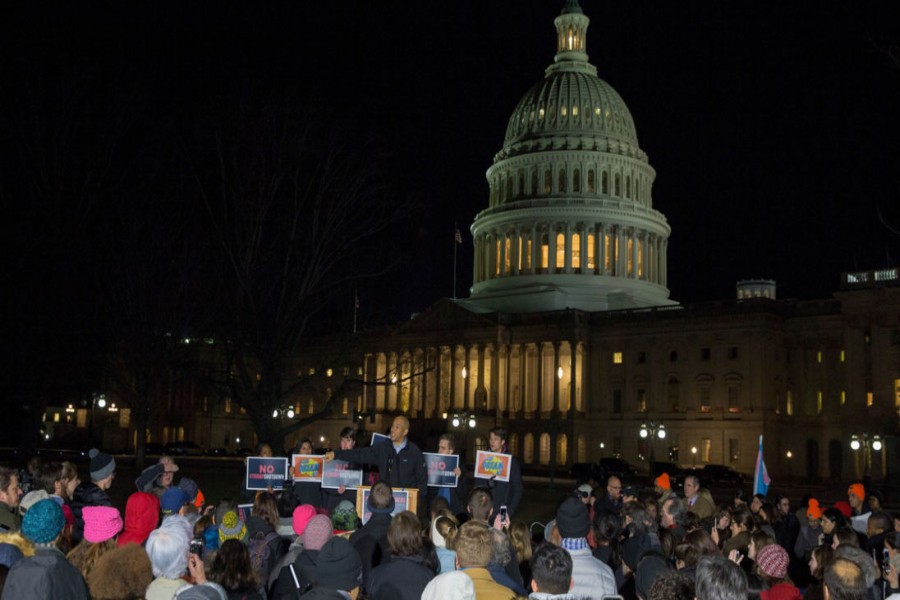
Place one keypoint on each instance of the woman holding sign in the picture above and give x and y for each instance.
(505, 493)
(305, 492)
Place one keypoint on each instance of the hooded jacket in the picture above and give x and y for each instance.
(141, 517)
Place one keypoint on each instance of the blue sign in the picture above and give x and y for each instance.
(441, 469)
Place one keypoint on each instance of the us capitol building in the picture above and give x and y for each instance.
(569, 338)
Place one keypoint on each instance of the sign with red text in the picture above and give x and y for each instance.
(402, 501)
(307, 467)
(493, 465)
(338, 473)
(264, 472)
(441, 469)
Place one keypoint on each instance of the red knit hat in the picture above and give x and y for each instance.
(773, 561)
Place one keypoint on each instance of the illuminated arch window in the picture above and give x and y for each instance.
(581, 451)
(545, 252)
(528, 454)
(507, 259)
(591, 259)
(576, 250)
(560, 251)
(497, 258)
(562, 449)
(629, 258)
(544, 456)
(514, 444)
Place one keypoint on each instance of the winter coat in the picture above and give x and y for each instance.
(485, 586)
(404, 469)
(86, 494)
(123, 572)
(593, 578)
(370, 541)
(508, 492)
(402, 578)
(304, 569)
(46, 575)
(141, 517)
(781, 591)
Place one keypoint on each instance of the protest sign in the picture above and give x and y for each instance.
(377, 438)
(493, 465)
(404, 499)
(263, 472)
(441, 468)
(307, 467)
(337, 473)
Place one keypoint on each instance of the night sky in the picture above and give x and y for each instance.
(773, 126)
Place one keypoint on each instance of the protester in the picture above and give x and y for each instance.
(262, 538)
(818, 560)
(304, 492)
(370, 540)
(592, 577)
(505, 493)
(10, 520)
(741, 527)
(453, 585)
(101, 526)
(339, 568)
(168, 549)
(299, 576)
(772, 566)
(93, 493)
(404, 577)
(607, 529)
(456, 496)
(232, 570)
(444, 529)
(551, 568)
(651, 567)
(141, 517)
(808, 537)
(331, 498)
(122, 573)
(856, 497)
(697, 503)
(47, 575)
(612, 499)
(844, 580)
(719, 579)
(662, 485)
(473, 554)
(173, 501)
(503, 566)
(344, 518)
(520, 538)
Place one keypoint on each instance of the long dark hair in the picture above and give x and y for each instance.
(232, 569)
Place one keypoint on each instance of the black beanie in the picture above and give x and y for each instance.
(573, 519)
(102, 465)
(338, 565)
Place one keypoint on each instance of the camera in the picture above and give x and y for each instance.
(197, 546)
(886, 561)
(504, 514)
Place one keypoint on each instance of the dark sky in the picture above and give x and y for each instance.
(773, 126)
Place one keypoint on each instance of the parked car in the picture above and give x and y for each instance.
(718, 474)
(242, 452)
(153, 448)
(183, 449)
(217, 452)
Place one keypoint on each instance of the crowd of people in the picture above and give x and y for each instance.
(61, 538)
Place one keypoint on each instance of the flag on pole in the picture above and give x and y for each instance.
(761, 479)
(458, 236)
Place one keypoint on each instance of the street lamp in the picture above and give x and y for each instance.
(649, 432)
(867, 443)
(789, 455)
(693, 456)
(465, 421)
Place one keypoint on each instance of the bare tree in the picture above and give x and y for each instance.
(297, 211)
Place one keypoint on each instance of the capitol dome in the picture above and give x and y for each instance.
(570, 221)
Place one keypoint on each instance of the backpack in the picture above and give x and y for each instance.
(261, 556)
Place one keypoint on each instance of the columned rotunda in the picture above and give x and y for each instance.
(570, 223)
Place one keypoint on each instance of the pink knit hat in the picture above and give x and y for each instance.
(302, 515)
(773, 561)
(101, 523)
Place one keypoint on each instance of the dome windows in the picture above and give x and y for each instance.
(574, 110)
(576, 181)
(591, 184)
(541, 114)
(563, 111)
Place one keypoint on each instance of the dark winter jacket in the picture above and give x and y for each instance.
(402, 578)
(304, 569)
(508, 492)
(46, 575)
(86, 494)
(370, 541)
(257, 530)
(399, 469)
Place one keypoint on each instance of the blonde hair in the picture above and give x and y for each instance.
(447, 527)
(520, 538)
(473, 545)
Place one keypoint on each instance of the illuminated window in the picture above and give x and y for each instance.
(574, 110)
(843, 397)
(705, 398)
(607, 260)
(628, 259)
(507, 260)
(576, 250)
(519, 253)
(56, 417)
(617, 358)
(842, 356)
(227, 405)
(497, 258)
(819, 402)
(345, 406)
(312, 371)
(596, 111)
(528, 455)
(591, 242)
(870, 398)
(640, 257)
(545, 252)
(789, 404)
(514, 444)
(642, 401)
(705, 449)
(545, 449)
(528, 253)
(581, 448)
(563, 110)
(734, 392)
(560, 250)
(591, 184)
(897, 393)
(819, 356)
(541, 113)
(562, 449)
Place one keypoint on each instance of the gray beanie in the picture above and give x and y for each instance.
(102, 465)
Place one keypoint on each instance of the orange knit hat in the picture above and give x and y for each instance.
(663, 481)
(857, 490)
(813, 511)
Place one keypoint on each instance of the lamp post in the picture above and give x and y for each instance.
(649, 432)
(693, 457)
(96, 400)
(789, 455)
(464, 421)
(867, 443)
